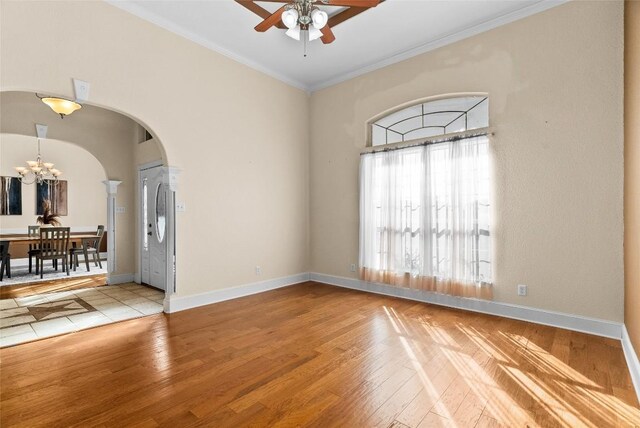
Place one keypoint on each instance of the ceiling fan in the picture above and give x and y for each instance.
(304, 20)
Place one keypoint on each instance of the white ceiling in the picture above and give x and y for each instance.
(391, 32)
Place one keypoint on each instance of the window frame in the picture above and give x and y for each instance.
(371, 122)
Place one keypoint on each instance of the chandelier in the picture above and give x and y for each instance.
(302, 17)
(37, 171)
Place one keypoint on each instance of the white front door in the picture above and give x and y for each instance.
(153, 228)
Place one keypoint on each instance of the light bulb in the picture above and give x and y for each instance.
(314, 33)
(290, 18)
(319, 18)
(294, 33)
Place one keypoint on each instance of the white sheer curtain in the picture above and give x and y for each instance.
(424, 218)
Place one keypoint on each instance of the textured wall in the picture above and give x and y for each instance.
(239, 136)
(555, 82)
(632, 172)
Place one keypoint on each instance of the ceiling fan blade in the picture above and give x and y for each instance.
(270, 21)
(353, 3)
(261, 12)
(327, 35)
(344, 15)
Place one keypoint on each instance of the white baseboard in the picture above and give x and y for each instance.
(180, 303)
(119, 278)
(579, 323)
(632, 360)
(25, 261)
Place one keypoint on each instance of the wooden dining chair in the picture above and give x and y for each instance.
(34, 232)
(54, 245)
(89, 246)
(5, 259)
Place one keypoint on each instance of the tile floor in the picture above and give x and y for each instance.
(24, 319)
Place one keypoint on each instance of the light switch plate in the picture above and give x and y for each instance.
(120, 210)
(81, 89)
(181, 207)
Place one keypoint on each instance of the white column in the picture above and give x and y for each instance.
(112, 190)
(170, 182)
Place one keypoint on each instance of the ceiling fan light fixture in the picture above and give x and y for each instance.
(314, 33)
(319, 18)
(290, 18)
(294, 33)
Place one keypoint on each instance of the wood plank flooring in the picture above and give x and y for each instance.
(53, 286)
(320, 356)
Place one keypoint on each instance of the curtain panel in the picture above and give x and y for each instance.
(424, 218)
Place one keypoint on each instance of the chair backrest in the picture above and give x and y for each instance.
(95, 243)
(54, 241)
(34, 232)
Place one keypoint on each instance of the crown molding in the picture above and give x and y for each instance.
(189, 35)
(490, 24)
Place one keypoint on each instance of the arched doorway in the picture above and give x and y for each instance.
(20, 110)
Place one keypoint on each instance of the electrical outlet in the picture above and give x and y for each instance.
(522, 290)
(258, 270)
(353, 267)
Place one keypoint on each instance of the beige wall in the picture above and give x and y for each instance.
(86, 202)
(555, 86)
(632, 172)
(147, 152)
(245, 187)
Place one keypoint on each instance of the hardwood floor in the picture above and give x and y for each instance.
(53, 286)
(317, 355)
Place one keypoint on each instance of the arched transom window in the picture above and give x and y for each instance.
(429, 119)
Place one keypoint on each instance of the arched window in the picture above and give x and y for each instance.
(430, 119)
(425, 204)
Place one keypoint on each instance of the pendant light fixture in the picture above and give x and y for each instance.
(61, 106)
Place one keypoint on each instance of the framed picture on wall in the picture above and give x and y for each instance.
(56, 192)
(10, 196)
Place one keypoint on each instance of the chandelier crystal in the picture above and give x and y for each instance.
(37, 171)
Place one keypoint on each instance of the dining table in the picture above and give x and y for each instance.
(74, 239)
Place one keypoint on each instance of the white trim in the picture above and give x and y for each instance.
(161, 22)
(120, 278)
(442, 41)
(632, 360)
(112, 190)
(180, 303)
(142, 13)
(579, 323)
(23, 230)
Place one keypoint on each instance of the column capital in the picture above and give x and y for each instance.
(112, 186)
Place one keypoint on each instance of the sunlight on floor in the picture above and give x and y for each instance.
(508, 377)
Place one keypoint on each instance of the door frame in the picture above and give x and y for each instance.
(170, 181)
